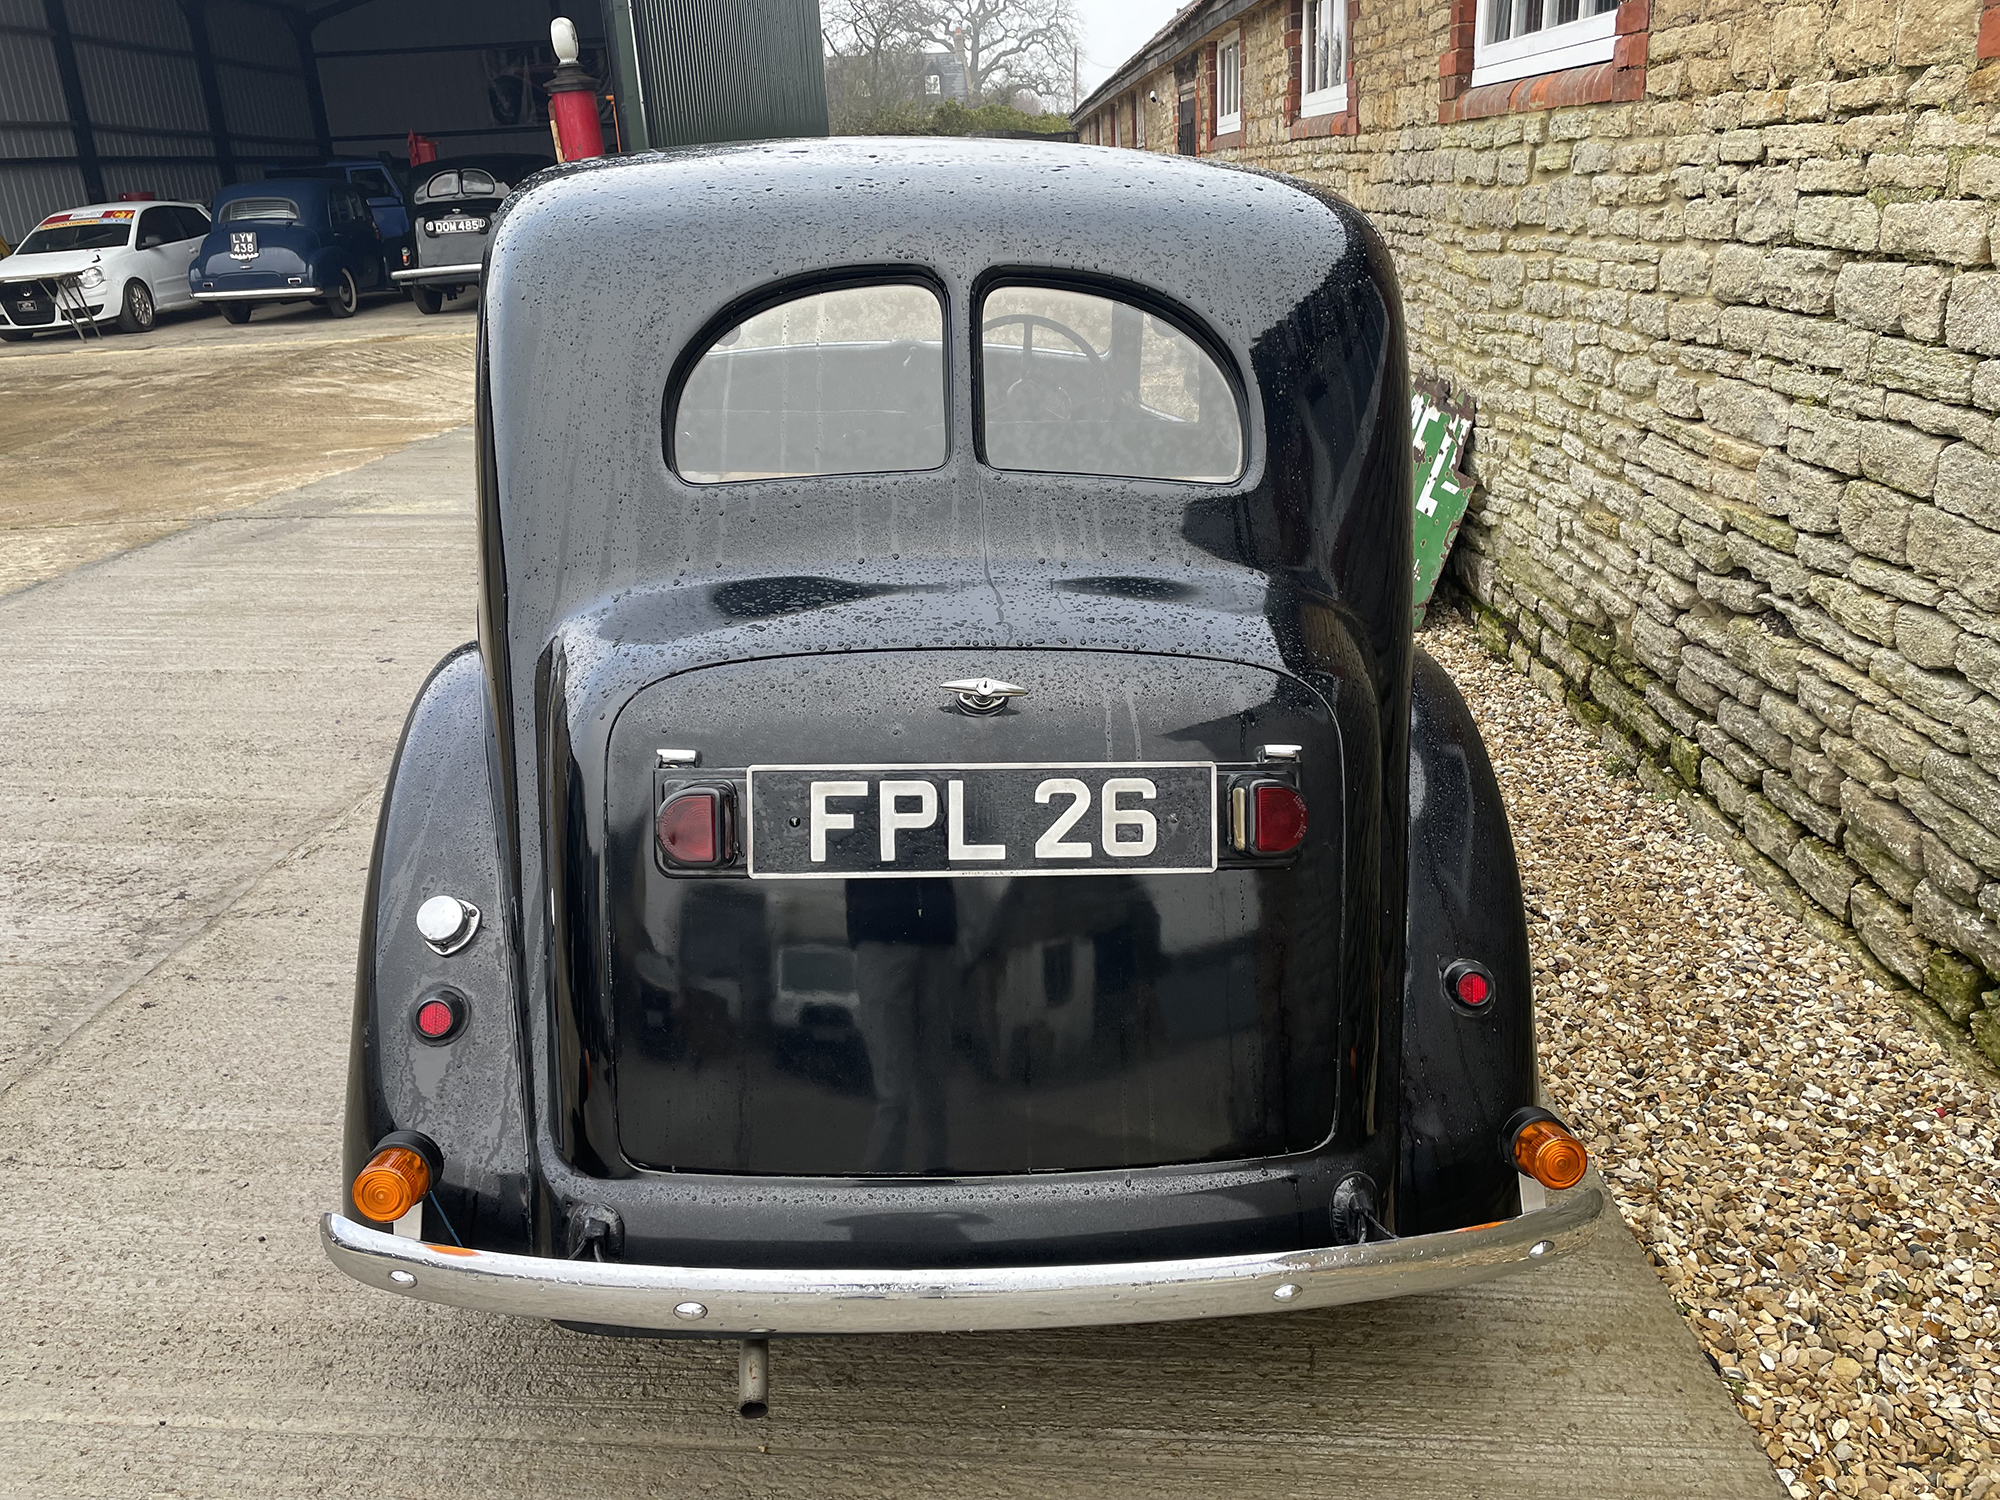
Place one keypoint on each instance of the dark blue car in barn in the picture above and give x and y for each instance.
(290, 240)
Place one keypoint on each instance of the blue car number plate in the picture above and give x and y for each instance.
(243, 243)
(878, 822)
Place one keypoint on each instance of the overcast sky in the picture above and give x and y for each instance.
(1114, 29)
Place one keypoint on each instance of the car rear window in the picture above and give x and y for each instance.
(849, 380)
(443, 185)
(266, 210)
(1075, 382)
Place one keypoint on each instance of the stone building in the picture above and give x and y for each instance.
(1718, 275)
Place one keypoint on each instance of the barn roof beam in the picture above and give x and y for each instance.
(78, 108)
(211, 89)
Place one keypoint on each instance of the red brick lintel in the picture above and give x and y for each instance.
(1314, 127)
(1622, 79)
(1989, 31)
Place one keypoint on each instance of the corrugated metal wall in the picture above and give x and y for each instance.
(139, 76)
(260, 74)
(38, 168)
(728, 70)
(175, 97)
(463, 72)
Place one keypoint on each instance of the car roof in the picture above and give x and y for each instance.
(722, 223)
(511, 168)
(278, 187)
(490, 161)
(138, 205)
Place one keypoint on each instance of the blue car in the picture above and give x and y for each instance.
(298, 239)
(377, 181)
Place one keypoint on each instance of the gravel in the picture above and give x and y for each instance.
(1812, 1174)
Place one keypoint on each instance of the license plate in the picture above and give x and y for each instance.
(459, 226)
(862, 822)
(243, 242)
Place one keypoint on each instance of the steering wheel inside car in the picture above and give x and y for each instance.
(1028, 398)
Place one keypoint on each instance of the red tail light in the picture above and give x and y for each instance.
(1265, 816)
(695, 828)
(1280, 818)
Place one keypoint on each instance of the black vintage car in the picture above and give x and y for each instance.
(452, 204)
(943, 826)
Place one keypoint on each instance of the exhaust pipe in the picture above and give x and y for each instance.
(753, 1379)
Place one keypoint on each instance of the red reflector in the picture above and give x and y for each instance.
(1281, 819)
(690, 828)
(434, 1018)
(1472, 988)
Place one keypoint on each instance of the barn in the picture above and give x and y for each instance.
(174, 98)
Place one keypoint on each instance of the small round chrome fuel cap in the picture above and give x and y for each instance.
(447, 923)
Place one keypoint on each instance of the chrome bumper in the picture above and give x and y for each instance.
(436, 273)
(725, 1302)
(260, 294)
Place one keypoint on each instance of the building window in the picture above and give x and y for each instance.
(1229, 86)
(1522, 38)
(1323, 80)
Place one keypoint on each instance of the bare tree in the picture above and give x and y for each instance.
(874, 57)
(1006, 45)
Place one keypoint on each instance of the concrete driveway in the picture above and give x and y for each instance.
(197, 733)
(108, 443)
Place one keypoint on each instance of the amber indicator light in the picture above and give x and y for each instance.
(394, 1182)
(1547, 1152)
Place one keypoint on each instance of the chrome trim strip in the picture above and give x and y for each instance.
(733, 1302)
(294, 293)
(444, 273)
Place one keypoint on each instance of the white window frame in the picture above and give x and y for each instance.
(1331, 99)
(1139, 118)
(1230, 123)
(1574, 44)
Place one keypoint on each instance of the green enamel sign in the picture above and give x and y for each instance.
(1440, 429)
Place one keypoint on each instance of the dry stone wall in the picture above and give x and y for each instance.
(1736, 354)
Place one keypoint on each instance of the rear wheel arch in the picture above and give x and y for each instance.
(438, 835)
(1464, 1070)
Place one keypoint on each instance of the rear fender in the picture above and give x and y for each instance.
(1464, 1071)
(436, 836)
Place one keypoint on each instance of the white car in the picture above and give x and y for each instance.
(128, 260)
